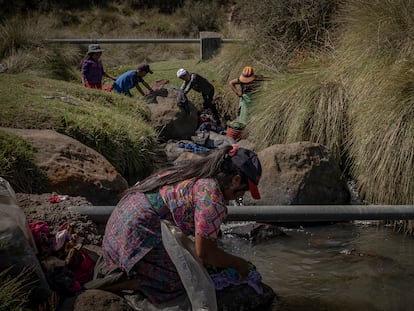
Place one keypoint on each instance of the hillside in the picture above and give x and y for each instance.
(337, 73)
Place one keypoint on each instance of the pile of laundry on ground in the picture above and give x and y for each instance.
(207, 136)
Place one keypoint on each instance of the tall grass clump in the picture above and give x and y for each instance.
(19, 33)
(59, 63)
(122, 136)
(14, 293)
(381, 148)
(23, 49)
(375, 53)
(308, 105)
(17, 164)
(125, 142)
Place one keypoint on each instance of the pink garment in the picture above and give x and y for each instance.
(40, 230)
(83, 273)
(54, 199)
(159, 84)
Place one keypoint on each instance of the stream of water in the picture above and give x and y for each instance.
(343, 266)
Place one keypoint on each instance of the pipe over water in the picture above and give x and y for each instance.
(286, 213)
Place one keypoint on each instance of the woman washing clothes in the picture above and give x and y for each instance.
(194, 196)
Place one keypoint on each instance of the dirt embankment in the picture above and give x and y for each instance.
(46, 208)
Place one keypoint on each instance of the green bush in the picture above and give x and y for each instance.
(196, 16)
(283, 31)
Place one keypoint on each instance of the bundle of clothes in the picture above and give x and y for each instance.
(66, 264)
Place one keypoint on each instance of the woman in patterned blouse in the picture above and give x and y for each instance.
(194, 196)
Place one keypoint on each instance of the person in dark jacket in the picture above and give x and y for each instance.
(201, 85)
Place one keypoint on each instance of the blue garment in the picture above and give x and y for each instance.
(127, 81)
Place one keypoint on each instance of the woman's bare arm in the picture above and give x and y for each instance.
(208, 251)
(232, 85)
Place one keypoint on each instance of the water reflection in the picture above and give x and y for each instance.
(346, 266)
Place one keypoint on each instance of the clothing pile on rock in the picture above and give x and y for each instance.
(158, 90)
(208, 136)
(66, 265)
(195, 148)
(207, 124)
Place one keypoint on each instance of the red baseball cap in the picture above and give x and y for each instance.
(249, 164)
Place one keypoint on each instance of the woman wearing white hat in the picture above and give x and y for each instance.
(201, 85)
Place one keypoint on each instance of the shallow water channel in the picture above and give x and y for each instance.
(343, 266)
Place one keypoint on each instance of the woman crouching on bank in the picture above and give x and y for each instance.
(194, 196)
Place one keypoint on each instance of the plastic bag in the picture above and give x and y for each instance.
(10, 209)
(197, 283)
(17, 247)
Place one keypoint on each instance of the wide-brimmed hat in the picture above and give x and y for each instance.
(247, 75)
(94, 48)
(248, 163)
(144, 67)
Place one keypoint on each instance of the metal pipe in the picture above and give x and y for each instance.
(122, 40)
(90, 41)
(286, 213)
(316, 213)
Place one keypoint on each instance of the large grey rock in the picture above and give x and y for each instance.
(73, 168)
(95, 299)
(173, 151)
(244, 298)
(172, 121)
(253, 231)
(232, 298)
(300, 173)
(188, 156)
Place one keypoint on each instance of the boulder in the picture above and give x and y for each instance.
(171, 120)
(173, 151)
(301, 173)
(95, 299)
(73, 168)
(188, 156)
(253, 231)
(244, 298)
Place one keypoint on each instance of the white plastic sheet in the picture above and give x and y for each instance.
(197, 283)
(9, 208)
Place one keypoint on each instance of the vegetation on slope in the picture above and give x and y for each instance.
(116, 126)
(338, 72)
